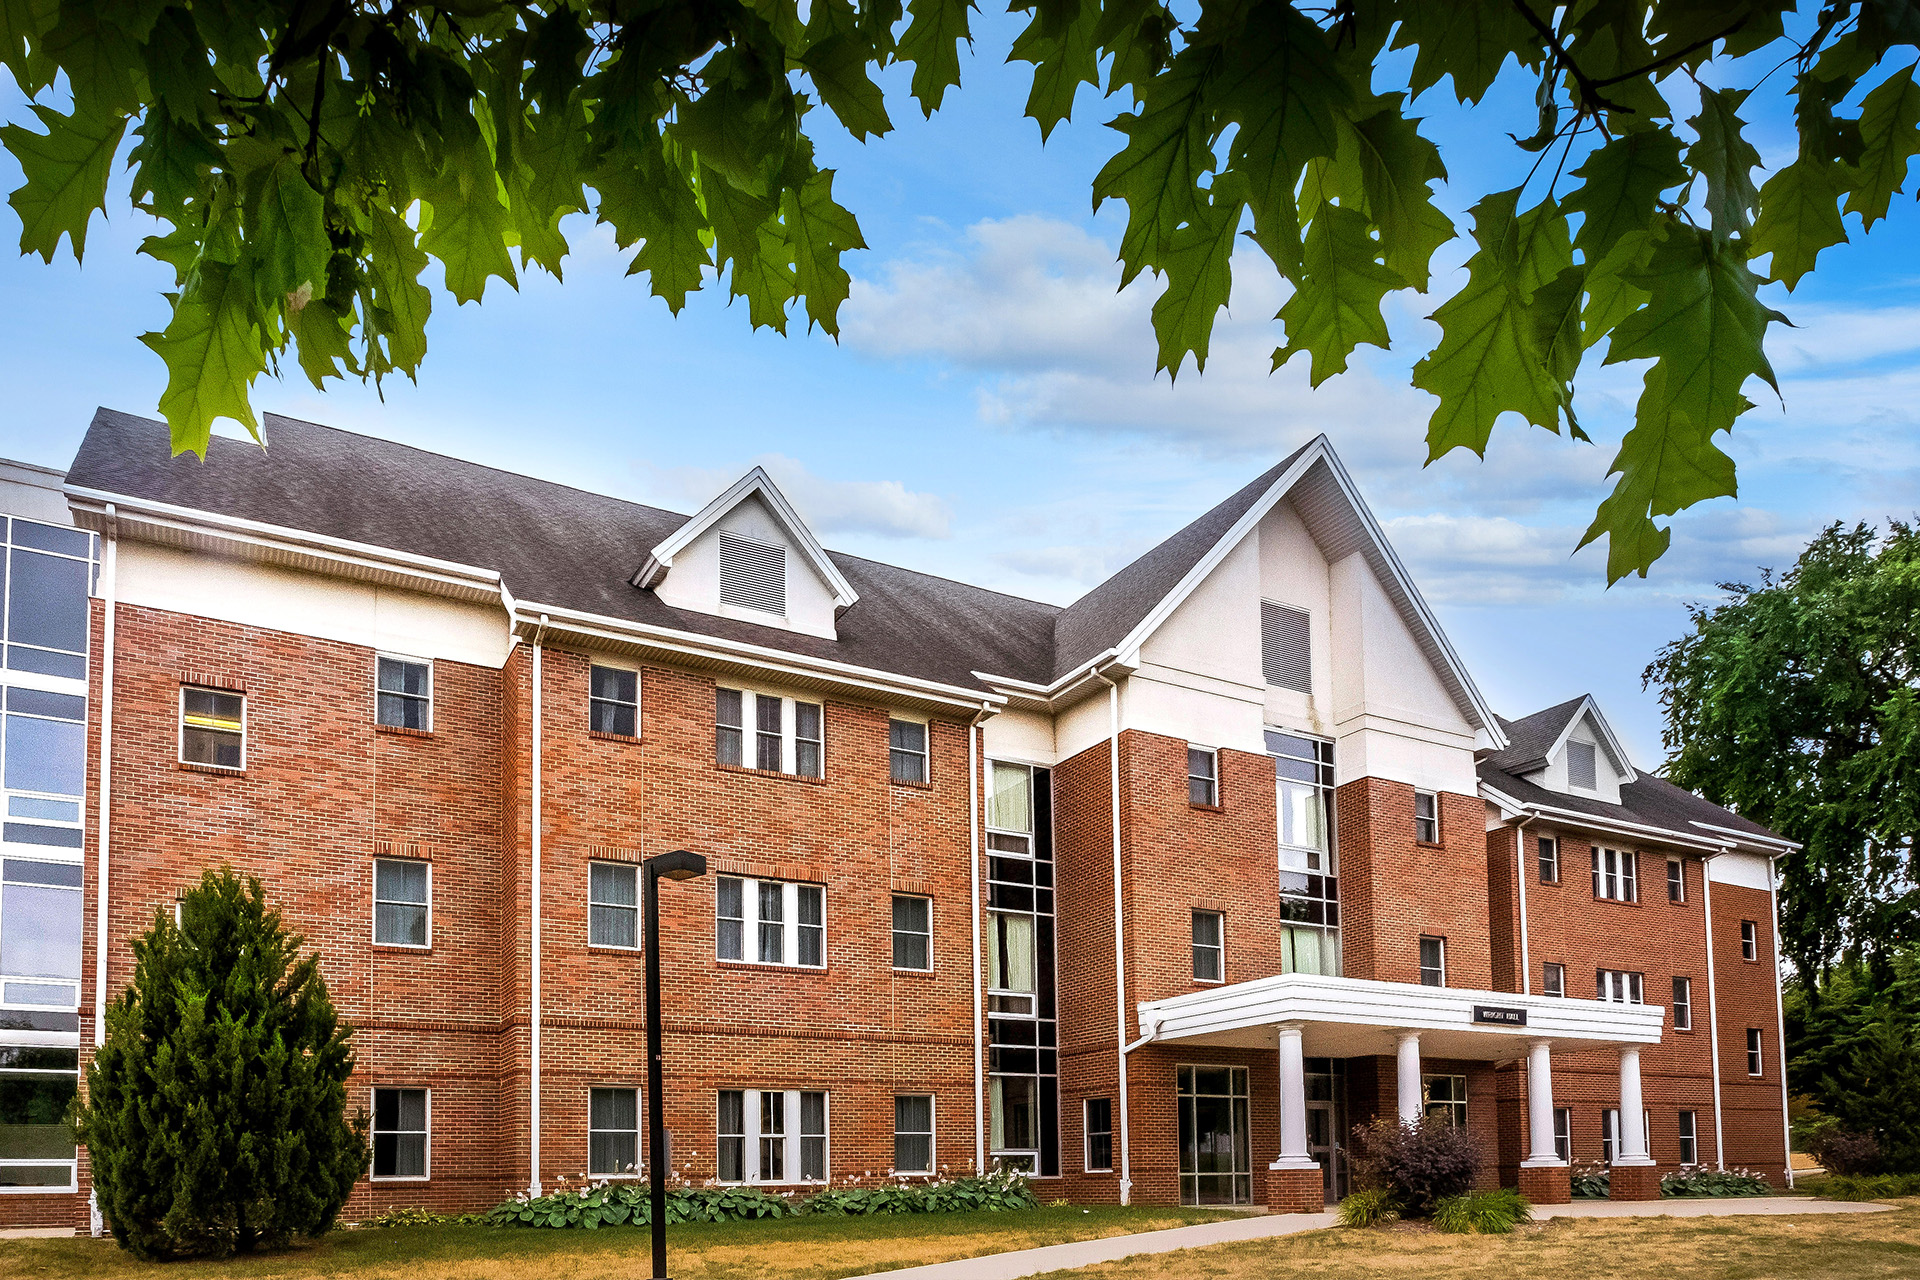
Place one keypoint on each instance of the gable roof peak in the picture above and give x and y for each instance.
(755, 484)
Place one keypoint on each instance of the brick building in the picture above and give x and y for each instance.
(1157, 896)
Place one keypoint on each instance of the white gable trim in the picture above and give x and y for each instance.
(1589, 710)
(756, 483)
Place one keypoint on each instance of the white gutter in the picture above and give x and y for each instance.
(110, 562)
(1119, 938)
(1780, 1025)
(975, 764)
(533, 1180)
(1713, 1015)
(1520, 872)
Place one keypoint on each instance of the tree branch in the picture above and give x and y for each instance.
(1589, 90)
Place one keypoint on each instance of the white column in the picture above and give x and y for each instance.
(1293, 1104)
(1632, 1135)
(1412, 1107)
(1540, 1109)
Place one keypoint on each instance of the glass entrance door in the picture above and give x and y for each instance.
(1323, 1144)
(1216, 1159)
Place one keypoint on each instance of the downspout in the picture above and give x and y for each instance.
(974, 765)
(1780, 1024)
(1119, 937)
(1520, 888)
(110, 563)
(1713, 1013)
(533, 1180)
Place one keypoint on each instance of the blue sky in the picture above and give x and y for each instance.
(991, 413)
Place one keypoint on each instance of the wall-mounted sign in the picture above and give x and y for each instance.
(1499, 1017)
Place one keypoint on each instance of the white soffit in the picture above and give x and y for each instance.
(756, 483)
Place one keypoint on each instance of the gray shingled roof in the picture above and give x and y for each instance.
(1530, 737)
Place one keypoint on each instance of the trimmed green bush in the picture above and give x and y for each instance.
(1372, 1207)
(1872, 1186)
(215, 1113)
(1482, 1213)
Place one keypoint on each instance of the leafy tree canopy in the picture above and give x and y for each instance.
(1797, 702)
(1854, 1045)
(310, 156)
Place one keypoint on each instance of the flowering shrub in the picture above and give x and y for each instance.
(1698, 1180)
(1419, 1163)
(1591, 1179)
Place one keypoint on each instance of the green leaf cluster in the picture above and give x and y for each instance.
(215, 1112)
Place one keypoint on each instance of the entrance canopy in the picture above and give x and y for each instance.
(1354, 1017)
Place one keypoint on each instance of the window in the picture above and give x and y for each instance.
(1308, 871)
(613, 701)
(37, 1084)
(1547, 850)
(613, 904)
(1203, 776)
(1689, 1137)
(1426, 817)
(1616, 875)
(786, 733)
(1286, 647)
(1580, 765)
(400, 1128)
(1676, 880)
(753, 575)
(754, 1130)
(1208, 947)
(401, 902)
(213, 728)
(1216, 1163)
(1553, 979)
(1749, 940)
(1616, 986)
(907, 750)
(1433, 962)
(786, 923)
(912, 932)
(1446, 1097)
(1609, 1134)
(1755, 1064)
(46, 620)
(613, 1132)
(1683, 1004)
(913, 1133)
(1563, 1133)
(1012, 971)
(1023, 1059)
(1099, 1130)
(40, 932)
(404, 698)
(46, 754)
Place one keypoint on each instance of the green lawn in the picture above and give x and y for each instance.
(799, 1248)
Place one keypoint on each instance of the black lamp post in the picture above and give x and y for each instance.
(678, 865)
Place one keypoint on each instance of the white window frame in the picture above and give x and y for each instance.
(1682, 1003)
(593, 698)
(1616, 874)
(1432, 820)
(789, 923)
(1458, 1107)
(750, 731)
(1546, 854)
(1620, 986)
(1749, 940)
(1086, 1136)
(411, 660)
(932, 1136)
(924, 755)
(426, 1156)
(894, 931)
(1688, 1123)
(373, 925)
(180, 738)
(1676, 880)
(1563, 1133)
(1212, 778)
(1440, 944)
(790, 1110)
(639, 1169)
(1756, 1053)
(639, 942)
(71, 1163)
(1219, 949)
(1553, 975)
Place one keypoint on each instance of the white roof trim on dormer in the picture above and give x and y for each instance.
(756, 483)
(1589, 710)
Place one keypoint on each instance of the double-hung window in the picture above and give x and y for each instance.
(1426, 817)
(1683, 1005)
(1099, 1130)
(213, 728)
(613, 904)
(1209, 950)
(1547, 852)
(1553, 979)
(1203, 776)
(1563, 1133)
(767, 732)
(401, 1125)
(1433, 962)
(770, 922)
(913, 1133)
(1756, 1063)
(402, 902)
(1617, 986)
(912, 932)
(907, 750)
(1689, 1137)
(613, 701)
(1616, 875)
(1749, 940)
(613, 1132)
(1676, 880)
(771, 1135)
(403, 697)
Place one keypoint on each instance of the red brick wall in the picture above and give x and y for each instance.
(1394, 890)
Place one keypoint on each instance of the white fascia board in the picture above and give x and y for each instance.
(530, 614)
(258, 534)
(1299, 997)
(1589, 709)
(1592, 822)
(755, 482)
(1778, 844)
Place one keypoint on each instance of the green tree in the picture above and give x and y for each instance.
(309, 157)
(215, 1114)
(1797, 703)
(1856, 1051)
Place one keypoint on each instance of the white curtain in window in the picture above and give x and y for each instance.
(1011, 805)
(1012, 952)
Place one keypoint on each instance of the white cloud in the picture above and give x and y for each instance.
(883, 507)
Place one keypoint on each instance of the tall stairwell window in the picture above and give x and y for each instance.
(1024, 1074)
(753, 575)
(1308, 870)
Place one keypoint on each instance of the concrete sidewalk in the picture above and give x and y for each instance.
(1086, 1253)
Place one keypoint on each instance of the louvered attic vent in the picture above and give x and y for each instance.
(753, 576)
(1580, 765)
(1286, 647)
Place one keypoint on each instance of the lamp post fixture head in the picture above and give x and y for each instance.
(678, 865)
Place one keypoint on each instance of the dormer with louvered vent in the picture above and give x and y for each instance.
(748, 555)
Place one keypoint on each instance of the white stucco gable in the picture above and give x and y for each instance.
(1586, 733)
